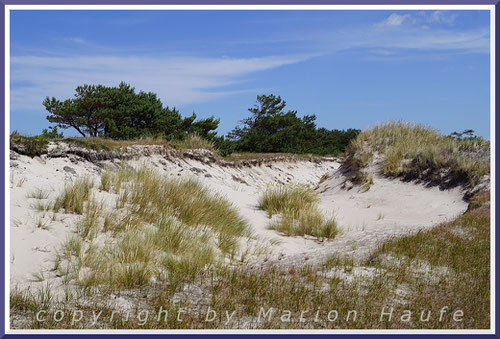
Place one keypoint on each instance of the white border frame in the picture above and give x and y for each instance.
(8, 8)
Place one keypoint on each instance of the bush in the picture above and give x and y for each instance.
(52, 133)
(225, 146)
(30, 146)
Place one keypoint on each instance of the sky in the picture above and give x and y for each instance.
(352, 69)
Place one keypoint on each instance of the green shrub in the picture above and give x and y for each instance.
(30, 146)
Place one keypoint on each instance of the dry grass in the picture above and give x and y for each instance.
(74, 196)
(38, 194)
(278, 198)
(414, 151)
(298, 209)
(420, 273)
(262, 156)
(148, 195)
(106, 144)
(306, 222)
(162, 229)
(193, 141)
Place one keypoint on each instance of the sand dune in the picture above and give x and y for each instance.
(389, 208)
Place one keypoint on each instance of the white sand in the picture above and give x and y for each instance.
(389, 208)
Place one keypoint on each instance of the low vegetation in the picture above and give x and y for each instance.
(414, 151)
(31, 146)
(193, 141)
(159, 229)
(166, 243)
(74, 196)
(298, 209)
(417, 275)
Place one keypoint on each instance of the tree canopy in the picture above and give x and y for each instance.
(121, 113)
(270, 128)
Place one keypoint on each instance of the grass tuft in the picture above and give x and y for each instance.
(278, 197)
(300, 214)
(193, 141)
(38, 194)
(74, 196)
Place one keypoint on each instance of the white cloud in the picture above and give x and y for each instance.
(419, 31)
(176, 80)
(441, 17)
(421, 18)
(77, 40)
(435, 40)
(394, 20)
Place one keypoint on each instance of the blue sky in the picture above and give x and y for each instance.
(350, 68)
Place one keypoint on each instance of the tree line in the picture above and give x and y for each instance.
(122, 113)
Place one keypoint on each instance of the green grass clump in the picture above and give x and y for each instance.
(306, 221)
(106, 177)
(278, 198)
(149, 195)
(300, 214)
(88, 227)
(38, 194)
(97, 144)
(161, 229)
(415, 151)
(74, 196)
(193, 141)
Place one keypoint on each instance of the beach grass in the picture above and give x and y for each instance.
(299, 214)
(415, 151)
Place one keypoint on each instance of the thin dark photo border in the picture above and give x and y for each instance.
(228, 333)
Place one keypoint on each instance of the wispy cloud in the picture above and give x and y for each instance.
(472, 41)
(75, 40)
(440, 17)
(185, 80)
(428, 32)
(403, 32)
(421, 18)
(176, 80)
(394, 20)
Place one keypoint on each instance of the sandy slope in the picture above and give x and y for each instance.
(389, 208)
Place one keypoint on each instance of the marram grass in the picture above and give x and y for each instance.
(400, 283)
(299, 212)
(161, 229)
(418, 152)
(193, 141)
